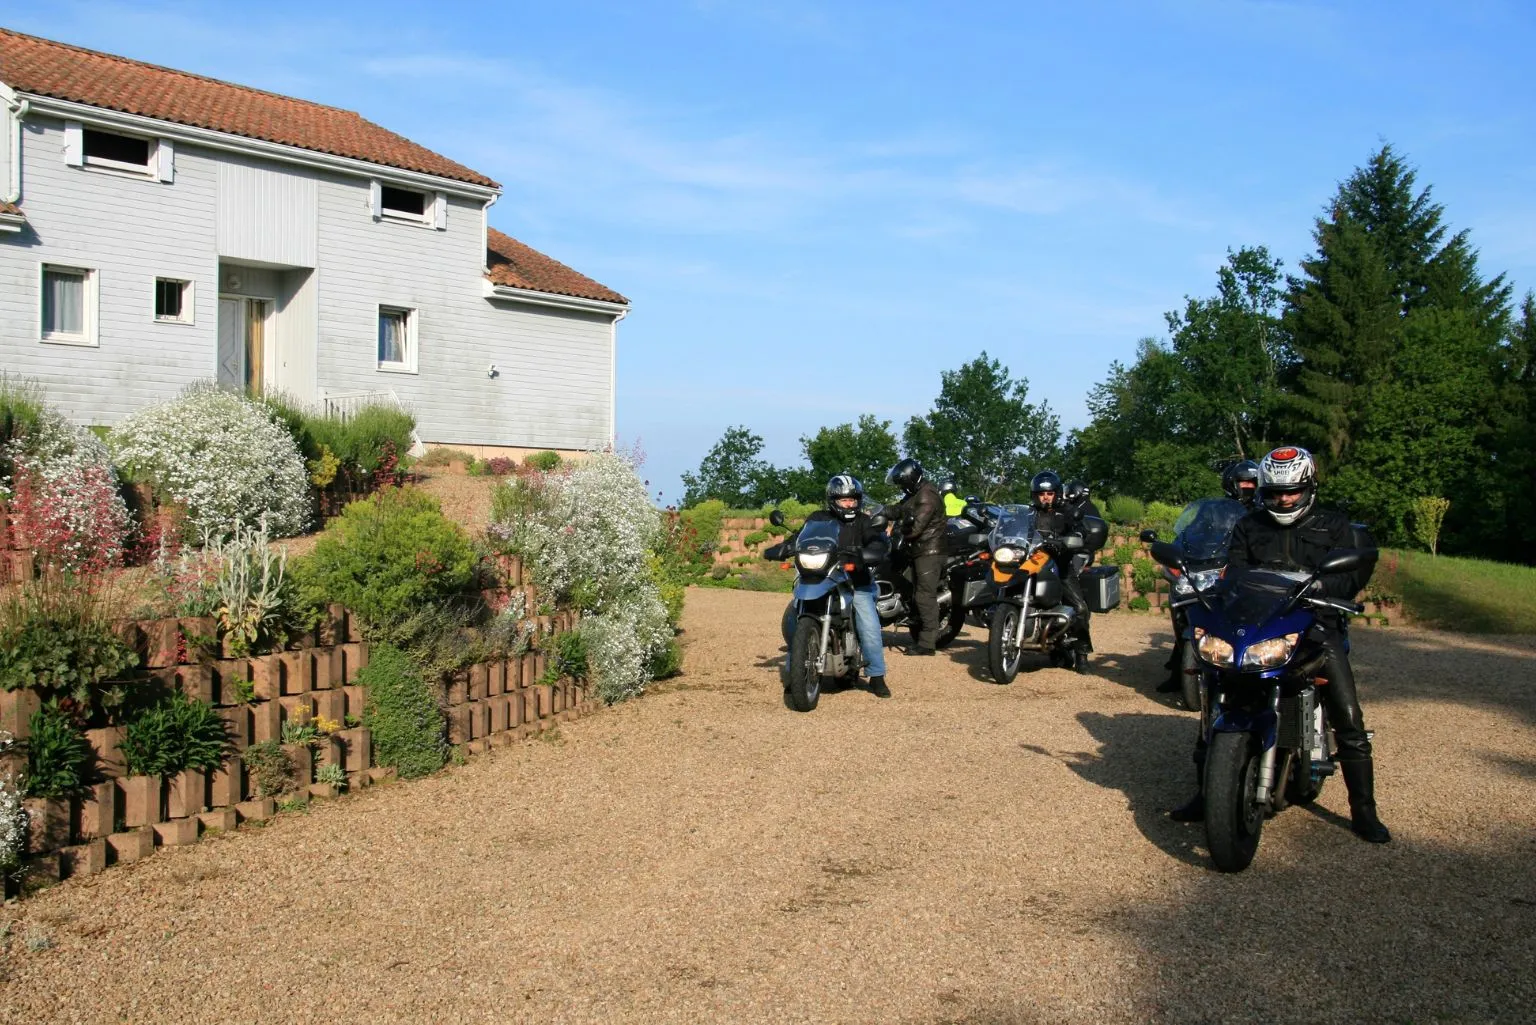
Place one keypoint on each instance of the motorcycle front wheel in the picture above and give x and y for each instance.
(1233, 821)
(805, 665)
(1189, 678)
(1003, 655)
(787, 624)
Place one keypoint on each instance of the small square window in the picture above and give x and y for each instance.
(403, 203)
(68, 305)
(397, 339)
(173, 300)
(108, 149)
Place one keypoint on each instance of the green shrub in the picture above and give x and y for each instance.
(56, 636)
(444, 456)
(1139, 603)
(270, 768)
(333, 774)
(358, 441)
(1124, 509)
(176, 733)
(543, 461)
(58, 755)
(1160, 516)
(387, 557)
(569, 656)
(1123, 555)
(767, 578)
(667, 660)
(402, 713)
(21, 411)
(1143, 575)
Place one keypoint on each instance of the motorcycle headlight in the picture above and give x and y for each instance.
(1006, 555)
(1181, 585)
(1271, 653)
(813, 561)
(1213, 649)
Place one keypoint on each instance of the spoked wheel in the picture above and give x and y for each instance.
(1233, 821)
(1189, 678)
(1303, 786)
(952, 625)
(805, 665)
(1003, 655)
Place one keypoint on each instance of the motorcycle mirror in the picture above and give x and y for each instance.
(1168, 554)
(1340, 560)
(974, 512)
(1148, 536)
(776, 518)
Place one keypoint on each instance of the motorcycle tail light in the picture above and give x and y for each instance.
(850, 567)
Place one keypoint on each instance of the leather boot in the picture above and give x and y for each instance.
(1193, 810)
(1360, 781)
(878, 687)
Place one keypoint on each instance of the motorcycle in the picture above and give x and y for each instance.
(823, 641)
(964, 541)
(1258, 638)
(1023, 601)
(1202, 532)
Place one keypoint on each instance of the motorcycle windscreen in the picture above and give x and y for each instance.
(1015, 526)
(1204, 528)
(819, 536)
(1255, 596)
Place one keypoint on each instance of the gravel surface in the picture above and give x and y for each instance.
(961, 853)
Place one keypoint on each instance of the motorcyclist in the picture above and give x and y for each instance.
(923, 522)
(1287, 530)
(1240, 481)
(954, 504)
(1056, 520)
(858, 532)
(1077, 502)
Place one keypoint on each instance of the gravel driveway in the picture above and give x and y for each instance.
(961, 853)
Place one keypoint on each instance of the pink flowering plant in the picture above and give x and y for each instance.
(64, 496)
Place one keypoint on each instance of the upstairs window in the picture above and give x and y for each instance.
(406, 203)
(119, 152)
(173, 301)
(397, 339)
(68, 306)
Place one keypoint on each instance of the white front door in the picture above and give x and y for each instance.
(231, 365)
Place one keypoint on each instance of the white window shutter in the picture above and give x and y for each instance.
(440, 211)
(376, 199)
(74, 143)
(165, 160)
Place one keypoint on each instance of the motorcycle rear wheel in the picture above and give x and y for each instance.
(1189, 678)
(1003, 656)
(952, 625)
(805, 665)
(1233, 822)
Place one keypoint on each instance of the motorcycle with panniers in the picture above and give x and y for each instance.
(823, 642)
(1022, 602)
(1258, 638)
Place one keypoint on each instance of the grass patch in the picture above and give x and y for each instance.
(1465, 595)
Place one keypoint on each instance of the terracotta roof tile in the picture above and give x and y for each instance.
(45, 68)
(513, 264)
(10, 208)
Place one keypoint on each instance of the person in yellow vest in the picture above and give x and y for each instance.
(954, 505)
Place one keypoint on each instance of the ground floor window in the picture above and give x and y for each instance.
(397, 338)
(173, 300)
(68, 307)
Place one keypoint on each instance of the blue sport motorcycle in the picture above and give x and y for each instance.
(1257, 636)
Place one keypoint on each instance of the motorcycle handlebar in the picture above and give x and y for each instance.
(1354, 608)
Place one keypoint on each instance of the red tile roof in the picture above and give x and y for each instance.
(10, 208)
(513, 264)
(45, 68)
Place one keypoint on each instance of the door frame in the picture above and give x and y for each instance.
(267, 345)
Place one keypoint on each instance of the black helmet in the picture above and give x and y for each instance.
(844, 485)
(1076, 491)
(1239, 474)
(906, 475)
(1045, 480)
(947, 485)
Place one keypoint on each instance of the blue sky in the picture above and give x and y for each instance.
(816, 208)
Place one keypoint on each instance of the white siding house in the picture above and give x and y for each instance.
(158, 229)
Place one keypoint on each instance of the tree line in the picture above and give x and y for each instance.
(1389, 354)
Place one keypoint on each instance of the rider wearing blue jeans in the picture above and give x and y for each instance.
(859, 534)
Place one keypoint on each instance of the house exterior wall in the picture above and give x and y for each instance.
(305, 238)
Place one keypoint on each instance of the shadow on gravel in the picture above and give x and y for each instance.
(1474, 670)
(1147, 758)
(1404, 933)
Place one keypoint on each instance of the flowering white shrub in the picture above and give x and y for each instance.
(13, 817)
(65, 494)
(586, 533)
(222, 457)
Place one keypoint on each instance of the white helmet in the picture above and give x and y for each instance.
(1286, 471)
